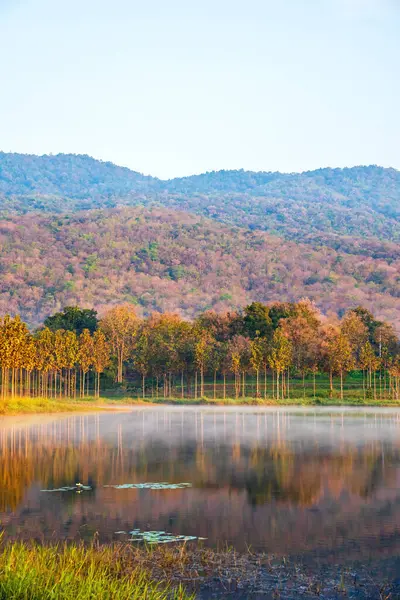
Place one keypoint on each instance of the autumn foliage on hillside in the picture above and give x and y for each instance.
(164, 260)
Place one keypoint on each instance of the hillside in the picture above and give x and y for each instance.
(166, 260)
(340, 208)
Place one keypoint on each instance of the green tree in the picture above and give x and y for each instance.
(73, 318)
(256, 321)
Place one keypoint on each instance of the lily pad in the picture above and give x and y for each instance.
(164, 485)
(78, 488)
(159, 537)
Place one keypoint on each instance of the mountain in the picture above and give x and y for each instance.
(67, 175)
(77, 230)
(166, 260)
(315, 207)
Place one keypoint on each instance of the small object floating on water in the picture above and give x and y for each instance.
(158, 537)
(164, 485)
(78, 488)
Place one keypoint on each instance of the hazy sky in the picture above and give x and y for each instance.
(175, 87)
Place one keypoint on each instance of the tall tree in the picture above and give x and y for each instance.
(101, 357)
(257, 349)
(280, 357)
(120, 326)
(85, 358)
(341, 356)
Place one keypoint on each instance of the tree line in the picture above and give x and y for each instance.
(276, 346)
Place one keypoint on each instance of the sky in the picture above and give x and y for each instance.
(177, 87)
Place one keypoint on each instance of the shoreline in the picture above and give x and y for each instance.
(31, 406)
(188, 572)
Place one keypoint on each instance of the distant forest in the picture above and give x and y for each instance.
(361, 202)
(74, 230)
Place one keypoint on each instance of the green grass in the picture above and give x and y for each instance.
(353, 393)
(75, 572)
(254, 402)
(299, 396)
(23, 405)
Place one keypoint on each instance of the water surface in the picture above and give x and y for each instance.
(319, 483)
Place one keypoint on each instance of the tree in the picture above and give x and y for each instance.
(142, 355)
(394, 372)
(355, 330)
(70, 349)
(120, 325)
(45, 358)
(101, 356)
(257, 349)
(256, 321)
(368, 320)
(85, 358)
(303, 334)
(202, 353)
(14, 337)
(340, 356)
(280, 356)
(73, 318)
(239, 355)
(370, 363)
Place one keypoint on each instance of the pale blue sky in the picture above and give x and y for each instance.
(175, 87)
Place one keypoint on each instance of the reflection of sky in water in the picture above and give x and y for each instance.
(322, 482)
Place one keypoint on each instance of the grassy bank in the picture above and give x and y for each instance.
(74, 572)
(19, 406)
(16, 406)
(248, 401)
(124, 571)
(309, 391)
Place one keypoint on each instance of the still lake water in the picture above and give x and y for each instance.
(315, 483)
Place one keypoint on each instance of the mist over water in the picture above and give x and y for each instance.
(318, 483)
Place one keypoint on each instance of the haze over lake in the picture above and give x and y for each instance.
(322, 484)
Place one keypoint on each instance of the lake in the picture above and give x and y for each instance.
(323, 484)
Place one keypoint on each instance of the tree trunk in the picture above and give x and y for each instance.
(265, 381)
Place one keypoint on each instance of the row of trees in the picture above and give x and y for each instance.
(50, 363)
(278, 345)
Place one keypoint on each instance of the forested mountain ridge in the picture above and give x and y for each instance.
(315, 206)
(66, 175)
(164, 260)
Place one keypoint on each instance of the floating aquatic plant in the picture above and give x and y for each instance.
(78, 488)
(157, 537)
(164, 485)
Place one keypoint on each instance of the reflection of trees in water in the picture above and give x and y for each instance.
(279, 472)
(244, 492)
